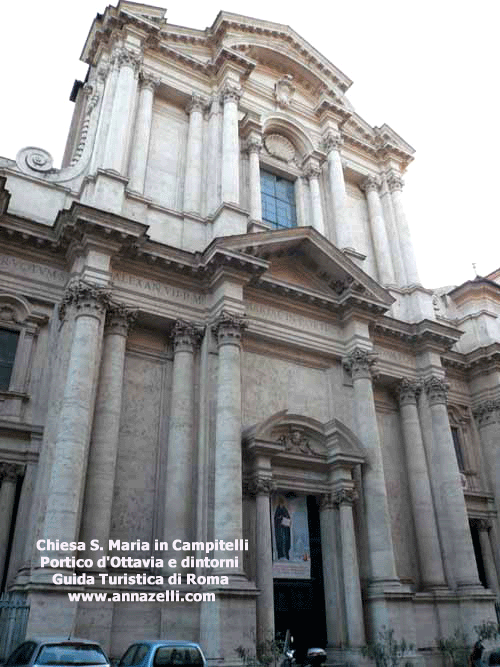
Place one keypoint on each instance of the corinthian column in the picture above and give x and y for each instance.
(231, 94)
(334, 617)
(445, 467)
(96, 518)
(312, 172)
(192, 182)
(383, 567)
(261, 487)
(379, 231)
(487, 416)
(228, 514)
(484, 527)
(395, 184)
(254, 145)
(87, 304)
(140, 146)
(343, 234)
(121, 111)
(9, 472)
(429, 552)
(344, 498)
(179, 477)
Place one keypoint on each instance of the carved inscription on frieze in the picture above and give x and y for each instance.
(155, 288)
(26, 268)
(395, 357)
(292, 319)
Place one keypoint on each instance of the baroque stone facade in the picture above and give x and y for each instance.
(213, 327)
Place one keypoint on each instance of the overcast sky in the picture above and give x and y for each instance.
(429, 69)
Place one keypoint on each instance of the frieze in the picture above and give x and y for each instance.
(23, 267)
(159, 289)
(293, 319)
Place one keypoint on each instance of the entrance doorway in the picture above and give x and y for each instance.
(299, 604)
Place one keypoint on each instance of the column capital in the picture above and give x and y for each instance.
(345, 496)
(124, 57)
(186, 337)
(394, 181)
(436, 390)
(9, 472)
(312, 169)
(327, 502)
(119, 319)
(228, 328)
(197, 103)
(360, 363)
(487, 412)
(148, 80)
(408, 391)
(332, 142)
(86, 298)
(253, 144)
(483, 525)
(370, 184)
(259, 486)
(231, 92)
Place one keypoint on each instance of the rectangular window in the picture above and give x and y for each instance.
(278, 200)
(8, 346)
(458, 448)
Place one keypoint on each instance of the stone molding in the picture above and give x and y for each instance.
(228, 328)
(186, 337)
(87, 299)
(332, 142)
(197, 103)
(148, 80)
(394, 182)
(259, 486)
(436, 390)
(119, 319)
(231, 92)
(487, 413)
(9, 472)
(370, 184)
(408, 391)
(359, 363)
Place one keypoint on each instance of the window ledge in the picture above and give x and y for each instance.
(5, 395)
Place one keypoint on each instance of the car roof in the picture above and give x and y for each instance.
(61, 640)
(165, 642)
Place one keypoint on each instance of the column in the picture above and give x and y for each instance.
(142, 134)
(312, 172)
(445, 468)
(335, 623)
(261, 487)
(178, 509)
(484, 527)
(429, 551)
(344, 498)
(213, 158)
(231, 94)
(9, 473)
(121, 111)
(343, 233)
(192, 181)
(228, 493)
(382, 563)
(487, 415)
(96, 518)
(395, 184)
(393, 233)
(87, 304)
(379, 232)
(254, 145)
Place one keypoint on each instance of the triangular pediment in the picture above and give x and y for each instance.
(302, 263)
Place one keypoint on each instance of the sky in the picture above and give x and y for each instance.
(429, 69)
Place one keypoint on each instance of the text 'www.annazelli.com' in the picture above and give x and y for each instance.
(133, 596)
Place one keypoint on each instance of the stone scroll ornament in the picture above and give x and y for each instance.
(284, 91)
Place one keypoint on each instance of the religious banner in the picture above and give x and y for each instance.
(290, 532)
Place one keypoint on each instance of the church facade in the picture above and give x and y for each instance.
(213, 328)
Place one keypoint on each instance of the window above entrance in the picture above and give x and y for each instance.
(278, 200)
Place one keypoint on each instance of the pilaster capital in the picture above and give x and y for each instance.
(253, 144)
(312, 170)
(408, 391)
(228, 328)
(186, 337)
(124, 57)
(231, 92)
(9, 472)
(332, 142)
(260, 486)
(85, 298)
(483, 525)
(119, 319)
(436, 390)
(327, 502)
(344, 496)
(148, 80)
(359, 363)
(394, 181)
(197, 103)
(487, 412)
(370, 184)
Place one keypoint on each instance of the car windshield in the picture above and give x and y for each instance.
(170, 656)
(71, 654)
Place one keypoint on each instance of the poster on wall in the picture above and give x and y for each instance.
(290, 533)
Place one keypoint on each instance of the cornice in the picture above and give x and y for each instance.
(418, 335)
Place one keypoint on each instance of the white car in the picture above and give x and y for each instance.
(58, 653)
